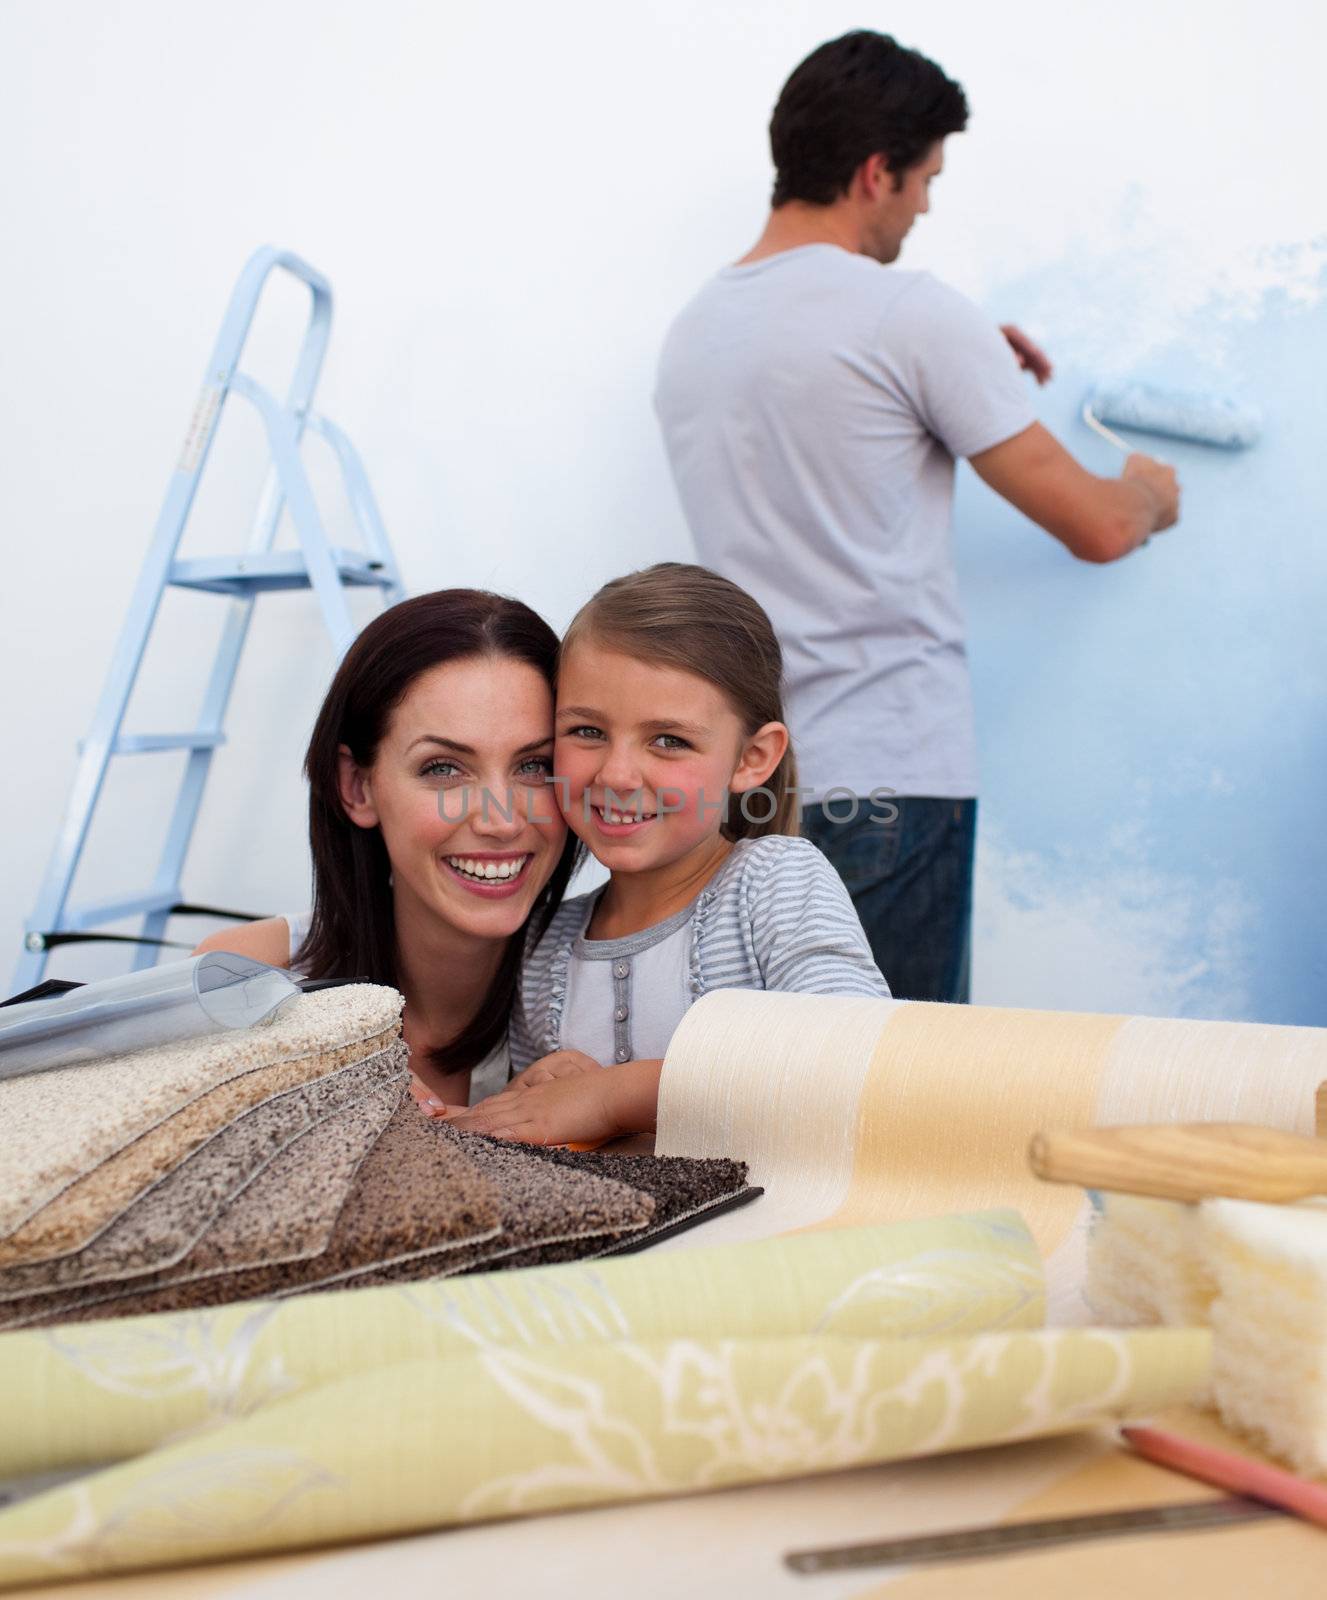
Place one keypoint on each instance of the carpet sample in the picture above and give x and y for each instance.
(684, 1189)
(56, 1125)
(414, 1194)
(165, 1225)
(548, 1213)
(83, 1210)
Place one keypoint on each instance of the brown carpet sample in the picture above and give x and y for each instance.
(547, 1213)
(684, 1188)
(172, 1218)
(414, 1194)
(86, 1207)
(57, 1125)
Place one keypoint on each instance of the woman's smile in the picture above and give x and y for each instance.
(490, 875)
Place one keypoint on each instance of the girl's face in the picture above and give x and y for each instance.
(459, 787)
(647, 756)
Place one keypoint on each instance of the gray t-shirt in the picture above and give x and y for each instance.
(812, 405)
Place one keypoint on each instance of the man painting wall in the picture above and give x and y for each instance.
(813, 401)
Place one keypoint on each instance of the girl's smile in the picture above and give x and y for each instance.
(644, 755)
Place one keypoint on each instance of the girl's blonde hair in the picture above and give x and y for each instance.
(684, 616)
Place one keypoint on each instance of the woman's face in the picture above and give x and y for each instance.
(459, 787)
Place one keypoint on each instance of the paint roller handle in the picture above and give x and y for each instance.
(1156, 482)
(1185, 1161)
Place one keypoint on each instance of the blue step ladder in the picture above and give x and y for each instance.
(316, 564)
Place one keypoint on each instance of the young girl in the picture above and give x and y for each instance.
(672, 763)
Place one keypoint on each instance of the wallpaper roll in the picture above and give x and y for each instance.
(850, 1110)
(101, 1391)
(551, 1426)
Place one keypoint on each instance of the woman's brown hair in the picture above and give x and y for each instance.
(353, 932)
(675, 614)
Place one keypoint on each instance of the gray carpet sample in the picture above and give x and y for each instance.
(563, 1213)
(684, 1189)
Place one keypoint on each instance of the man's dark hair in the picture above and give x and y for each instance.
(858, 96)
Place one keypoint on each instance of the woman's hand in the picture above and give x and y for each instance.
(582, 1107)
(430, 1104)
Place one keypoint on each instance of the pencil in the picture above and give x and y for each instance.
(1229, 1471)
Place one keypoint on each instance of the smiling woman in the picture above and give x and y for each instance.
(432, 827)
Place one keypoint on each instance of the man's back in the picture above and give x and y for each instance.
(812, 404)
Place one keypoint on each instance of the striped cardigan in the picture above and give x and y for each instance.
(775, 916)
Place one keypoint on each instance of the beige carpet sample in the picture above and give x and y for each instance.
(57, 1125)
(414, 1194)
(165, 1226)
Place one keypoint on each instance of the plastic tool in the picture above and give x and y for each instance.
(1185, 1161)
(183, 1000)
(1195, 418)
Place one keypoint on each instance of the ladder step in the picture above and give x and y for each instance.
(133, 744)
(262, 571)
(77, 919)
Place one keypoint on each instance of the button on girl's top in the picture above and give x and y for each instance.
(624, 996)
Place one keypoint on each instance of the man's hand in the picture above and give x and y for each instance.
(1159, 483)
(1098, 519)
(1031, 357)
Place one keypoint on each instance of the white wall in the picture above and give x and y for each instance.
(511, 202)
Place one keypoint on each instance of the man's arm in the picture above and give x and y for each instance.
(1096, 519)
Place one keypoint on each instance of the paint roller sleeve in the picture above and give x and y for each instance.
(1197, 418)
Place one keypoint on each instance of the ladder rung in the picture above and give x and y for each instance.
(272, 569)
(78, 919)
(133, 744)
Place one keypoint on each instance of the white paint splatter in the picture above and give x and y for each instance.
(1109, 934)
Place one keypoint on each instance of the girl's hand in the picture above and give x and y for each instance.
(582, 1108)
(577, 1108)
(561, 1064)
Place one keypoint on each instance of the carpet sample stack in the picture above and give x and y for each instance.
(274, 1160)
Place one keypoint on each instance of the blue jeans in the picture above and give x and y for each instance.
(911, 881)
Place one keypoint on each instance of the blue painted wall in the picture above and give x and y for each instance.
(1154, 733)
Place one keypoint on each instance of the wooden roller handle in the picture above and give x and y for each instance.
(1185, 1161)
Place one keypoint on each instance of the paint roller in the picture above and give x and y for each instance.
(1146, 408)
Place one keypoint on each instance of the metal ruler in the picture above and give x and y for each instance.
(1008, 1538)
